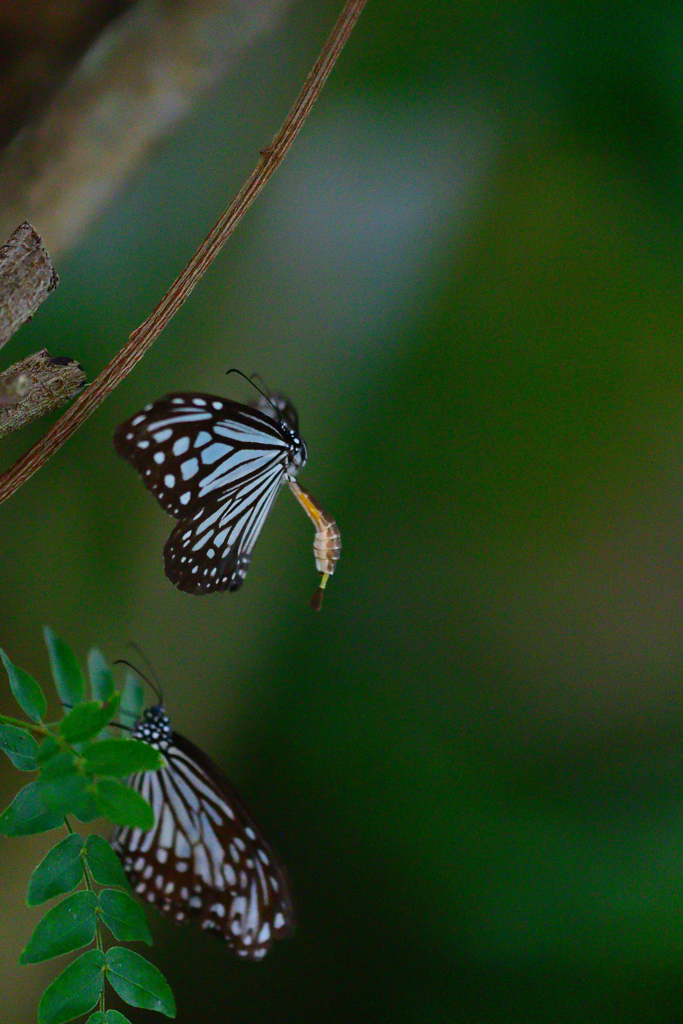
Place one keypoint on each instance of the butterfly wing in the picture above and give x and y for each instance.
(211, 549)
(205, 858)
(187, 445)
(217, 466)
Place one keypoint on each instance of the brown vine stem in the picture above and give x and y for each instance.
(144, 336)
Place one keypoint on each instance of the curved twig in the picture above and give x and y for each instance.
(143, 337)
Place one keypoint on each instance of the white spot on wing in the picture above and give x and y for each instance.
(189, 468)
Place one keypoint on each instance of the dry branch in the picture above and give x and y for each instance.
(145, 335)
(34, 386)
(26, 279)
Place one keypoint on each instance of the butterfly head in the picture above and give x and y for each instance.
(297, 452)
(280, 409)
(153, 727)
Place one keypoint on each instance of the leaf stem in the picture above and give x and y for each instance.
(29, 726)
(89, 885)
(144, 336)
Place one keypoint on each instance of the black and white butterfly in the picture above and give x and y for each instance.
(217, 466)
(205, 859)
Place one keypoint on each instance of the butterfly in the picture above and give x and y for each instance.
(217, 466)
(205, 859)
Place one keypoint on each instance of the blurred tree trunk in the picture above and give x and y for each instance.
(87, 88)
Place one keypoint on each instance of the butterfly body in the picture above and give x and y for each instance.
(217, 466)
(205, 858)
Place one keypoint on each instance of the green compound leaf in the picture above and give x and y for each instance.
(68, 926)
(88, 719)
(104, 865)
(87, 809)
(59, 872)
(101, 682)
(132, 699)
(28, 814)
(122, 806)
(65, 670)
(138, 982)
(75, 991)
(27, 693)
(62, 786)
(121, 757)
(124, 918)
(110, 1017)
(48, 749)
(20, 747)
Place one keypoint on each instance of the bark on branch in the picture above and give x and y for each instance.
(26, 279)
(34, 386)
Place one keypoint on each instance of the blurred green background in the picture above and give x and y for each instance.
(468, 278)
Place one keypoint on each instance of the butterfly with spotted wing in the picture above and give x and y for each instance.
(205, 859)
(217, 466)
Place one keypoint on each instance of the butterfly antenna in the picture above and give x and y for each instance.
(155, 689)
(259, 378)
(250, 380)
(150, 667)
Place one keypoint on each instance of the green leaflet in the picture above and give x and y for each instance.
(124, 918)
(138, 982)
(59, 872)
(68, 926)
(27, 693)
(121, 757)
(65, 670)
(104, 865)
(75, 991)
(123, 805)
(101, 682)
(132, 699)
(20, 747)
(62, 786)
(28, 814)
(110, 1017)
(87, 719)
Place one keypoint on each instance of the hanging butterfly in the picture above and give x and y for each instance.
(217, 466)
(205, 859)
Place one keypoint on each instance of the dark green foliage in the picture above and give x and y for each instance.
(138, 982)
(101, 682)
(122, 805)
(86, 810)
(26, 691)
(28, 813)
(75, 991)
(59, 872)
(124, 918)
(86, 720)
(48, 748)
(20, 747)
(80, 767)
(103, 864)
(132, 700)
(121, 757)
(68, 926)
(110, 1017)
(65, 670)
(61, 785)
